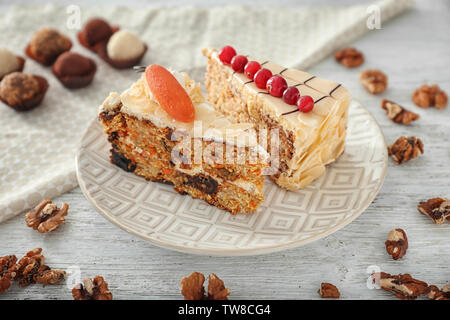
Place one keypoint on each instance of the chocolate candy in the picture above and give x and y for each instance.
(22, 91)
(46, 45)
(74, 70)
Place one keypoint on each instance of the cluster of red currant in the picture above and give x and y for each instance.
(276, 85)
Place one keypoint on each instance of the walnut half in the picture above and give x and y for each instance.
(46, 216)
(396, 243)
(397, 113)
(426, 96)
(92, 289)
(349, 57)
(374, 81)
(31, 269)
(437, 294)
(403, 285)
(192, 287)
(8, 269)
(438, 209)
(405, 149)
(328, 290)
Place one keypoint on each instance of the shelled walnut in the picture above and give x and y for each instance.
(31, 269)
(349, 57)
(403, 285)
(427, 96)
(8, 269)
(328, 290)
(405, 149)
(192, 287)
(438, 209)
(374, 81)
(397, 243)
(92, 289)
(397, 113)
(437, 294)
(46, 216)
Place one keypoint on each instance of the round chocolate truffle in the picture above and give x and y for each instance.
(96, 30)
(74, 70)
(124, 45)
(73, 64)
(47, 44)
(17, 88)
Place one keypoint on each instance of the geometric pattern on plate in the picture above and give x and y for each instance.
(286, 219)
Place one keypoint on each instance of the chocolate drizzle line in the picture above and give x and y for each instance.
(281, 72)
(320, 99)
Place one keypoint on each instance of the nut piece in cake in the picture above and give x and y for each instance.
(436, 294)
(438, 209)
(374, 81)
(95, 32)
(405, 149)
(31, 269)
(397, 243)
(192, 287)
(349, 57)
(397, 113)
(46, 45)
(403, 285)
(22, 91)
(92, 289)
(46, 216)
(328, 290)
(74, 70)
(8, 269)
(427, 96)
(10, 63)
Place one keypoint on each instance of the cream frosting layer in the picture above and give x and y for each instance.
(319, 136)
(138, 101)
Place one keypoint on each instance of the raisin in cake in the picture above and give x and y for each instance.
(311, 134)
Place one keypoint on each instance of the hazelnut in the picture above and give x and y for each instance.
(95, 31)
(74, 70)
(22, 91)
(46, 45)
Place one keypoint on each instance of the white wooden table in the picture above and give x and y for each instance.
(412, 49)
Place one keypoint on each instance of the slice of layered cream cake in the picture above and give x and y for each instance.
(309, 113)
(163, 130)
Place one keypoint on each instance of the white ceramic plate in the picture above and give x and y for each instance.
(286, 219)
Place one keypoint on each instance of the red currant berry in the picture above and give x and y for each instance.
(251, 68)
(276, 86)
(226, 54)
(291, 95)
(261, 77)
(238, 63)
(305, 104)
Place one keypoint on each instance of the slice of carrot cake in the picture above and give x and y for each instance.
(309, 113)
(163, 130)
